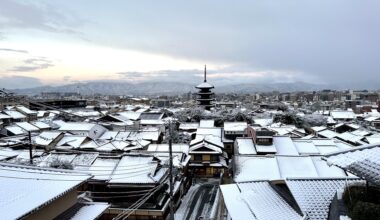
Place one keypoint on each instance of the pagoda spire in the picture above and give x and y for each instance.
(205, 80)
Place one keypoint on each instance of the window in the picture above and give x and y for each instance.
(197, 157)
(214, 158)
(206, 157)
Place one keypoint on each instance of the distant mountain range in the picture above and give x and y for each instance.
(162, 88)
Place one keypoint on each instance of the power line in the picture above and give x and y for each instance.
(79, 173)
(125, 214)
(116, 197)
(113, 192)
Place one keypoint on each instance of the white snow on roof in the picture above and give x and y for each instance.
(56, 157)
(27, 126)
(14, 114)
(71, 141)
(373, 140)
(266, 148)
(204, 85)
(263, 122)
(109, 135)
(319, 128)
(296, 167)
(184, 148)
(326, 171)
(188, 126)
(235, 126)
(281, 167)
(24, 189)
(41, 113)
(256, 168)
(4, 116)
(372, 118)
(348, 136)
(282, 130)
(90, 211)
(130, 115)
(150, 135)
(46, 137)
(361, 161)
(314, 196)
(306, 147)
(361, 132)
(342, 114)
(6, 153)
(245, 146)
(25, 110)
(201, 132)
(284, 145)
(212, 149)
(40, 124)
(76, 126)
(206, 123)
(103, 168)
(137, 170)
(328, 133)
(16, 130)
(256, 200)
(152, 122)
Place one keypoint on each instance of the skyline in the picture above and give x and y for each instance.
(56, 43)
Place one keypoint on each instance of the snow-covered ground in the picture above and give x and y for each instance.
(198, 201)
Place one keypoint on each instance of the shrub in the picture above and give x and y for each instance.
(362, 203)
(365, 211)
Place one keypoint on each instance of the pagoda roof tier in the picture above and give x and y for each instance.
(204, 85)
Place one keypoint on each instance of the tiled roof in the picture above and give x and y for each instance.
(315, 195)
(257, 201)
(253, 168)
(24, 189)
(361, 161)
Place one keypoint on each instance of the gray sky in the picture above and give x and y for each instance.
(59, 42)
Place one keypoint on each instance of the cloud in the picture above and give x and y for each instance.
(335, 41)
(162, 76)
(223, 76)
(66, 78)
(33, 64)
(18, 82)
(38, 15)
(13, 50)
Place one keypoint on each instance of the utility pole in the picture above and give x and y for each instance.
(30, 148)
(171, 172)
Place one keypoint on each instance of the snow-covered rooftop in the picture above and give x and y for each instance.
(137, 170)
(14, 114)
(27, 126)
(40, 124)
(184, 148)
(76, 126)
(46, 137)
(24, 189)
(361, 161)
(206, 123)
(256, 201)
(16, 130)
(235, 126)
(341, 115)
(281, 167)
(204, 85)
(314, 196)
(25, 110)
(188, 126)
(245, 146)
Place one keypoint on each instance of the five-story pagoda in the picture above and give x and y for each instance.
(205, 96)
